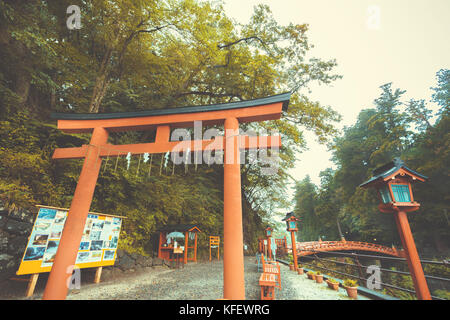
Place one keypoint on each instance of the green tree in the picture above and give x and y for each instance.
(140, 55)
(305, 203)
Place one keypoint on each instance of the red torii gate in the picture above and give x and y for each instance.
(228, 114)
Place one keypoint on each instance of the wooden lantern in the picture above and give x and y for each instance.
(291, 226)
(394, 184)
(291, 222)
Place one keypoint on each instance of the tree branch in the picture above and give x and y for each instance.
(221, 46)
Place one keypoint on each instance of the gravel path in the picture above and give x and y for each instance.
(201, 281)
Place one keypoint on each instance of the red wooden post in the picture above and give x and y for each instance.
(233, 243)
(393, 181)
(186, 240)
(161, 240)
(195, 248)
(294, 250)
(412, 257)
(56, 288)
(269, 248)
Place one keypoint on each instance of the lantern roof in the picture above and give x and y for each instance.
(180, 228)
(390, 170)
(289, 215)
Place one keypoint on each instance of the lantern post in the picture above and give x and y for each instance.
(291, 226)
(268, 231)
(394, 184)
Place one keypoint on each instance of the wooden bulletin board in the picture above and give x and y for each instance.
(97, 247)
(214, 242)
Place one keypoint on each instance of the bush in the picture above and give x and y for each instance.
(333, 281)
(291, 259)
(442, 294)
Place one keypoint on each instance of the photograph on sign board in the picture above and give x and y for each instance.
(60, 217)
(34, 253)
(50, 253)
(98, 224)
(47, 260)
(108, 254)
(88, 224)
(84, 245)
(56, 231)
(40, 239)
(95, 256)
(45, 213)
(113, 242)
(86, 235)
(42, 226)
(82, 257)
(96, 245)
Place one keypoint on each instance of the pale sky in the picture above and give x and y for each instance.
(374, 42)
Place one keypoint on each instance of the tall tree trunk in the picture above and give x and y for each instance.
(101, 83)
(441, 246)
(339, 228)
(22, 84)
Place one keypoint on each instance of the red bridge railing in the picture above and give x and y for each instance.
(308, 248)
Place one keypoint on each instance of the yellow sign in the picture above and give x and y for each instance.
(178, 250)
(97, 247)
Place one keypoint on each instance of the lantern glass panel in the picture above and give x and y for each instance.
(385, 195)
(401, 192)
(268, 233)
(292, 224)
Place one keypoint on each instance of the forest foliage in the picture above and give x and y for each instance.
(141, 55)
(145, 54)
(392, 128)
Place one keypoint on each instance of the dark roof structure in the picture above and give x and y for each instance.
(179, 227)
(288, 215)
(389, 169)
(283, 97)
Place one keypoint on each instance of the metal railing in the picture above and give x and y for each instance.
(359, 266)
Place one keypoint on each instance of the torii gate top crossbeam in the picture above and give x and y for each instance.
(268, 108)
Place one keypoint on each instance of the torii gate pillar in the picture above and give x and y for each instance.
(74, 226)
(233, 256)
